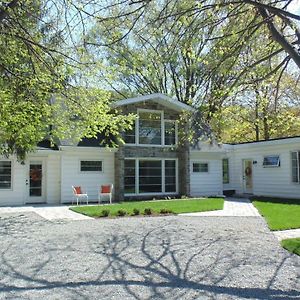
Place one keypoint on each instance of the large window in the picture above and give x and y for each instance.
(225, 165)
(296, 166)
(150, 176)
(91, 166)
(5, 175)
(150, 128)
(271, 161)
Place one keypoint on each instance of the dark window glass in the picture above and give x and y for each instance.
(225, 170)
(91, 166)
(129, 176)
(271, 161)
(150, 177)
(295, 167)
(150, 128)
(5, 174)
(35, 179)
(170, 133)
(200, 167)
(170, 176)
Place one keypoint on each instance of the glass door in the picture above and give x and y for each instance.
(247, 176)
(35, 182)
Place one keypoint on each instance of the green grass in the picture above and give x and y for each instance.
(176, 206)
(292, 245)
(280, 214)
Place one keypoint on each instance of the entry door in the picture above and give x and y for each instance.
(35, 182)
(247, 176)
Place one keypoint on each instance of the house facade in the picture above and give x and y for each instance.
(153, 163)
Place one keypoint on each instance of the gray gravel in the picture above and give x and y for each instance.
(144, 258)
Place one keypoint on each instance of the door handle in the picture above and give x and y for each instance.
(26, 182)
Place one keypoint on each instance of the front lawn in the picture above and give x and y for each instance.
(292, 245)
(156, 207)
(280, 214)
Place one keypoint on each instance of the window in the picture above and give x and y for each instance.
(5, 175)
(200, 167)
(225, 163)
(296, 166)
(150, 176)
(271, 161)
(129, 135)
(129, 176)
(170, 133)
(150, 128)
(91, 166)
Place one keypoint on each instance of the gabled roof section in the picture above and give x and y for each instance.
(159, 98)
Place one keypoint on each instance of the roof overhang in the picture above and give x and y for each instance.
(158, 98)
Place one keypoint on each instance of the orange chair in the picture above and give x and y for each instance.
(105, 190)
(78, 194)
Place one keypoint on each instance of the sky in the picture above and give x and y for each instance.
(294, 7)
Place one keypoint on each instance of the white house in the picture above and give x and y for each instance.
(152, 163)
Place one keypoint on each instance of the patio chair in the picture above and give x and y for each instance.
(78, 195)
(105, 190)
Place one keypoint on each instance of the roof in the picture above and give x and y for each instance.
(159, 98)
(46, 145)
(263, 141)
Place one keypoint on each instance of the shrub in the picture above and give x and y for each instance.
(121, 212)
(165, 211)
(148, 211)
(136, 212)
(105, 213)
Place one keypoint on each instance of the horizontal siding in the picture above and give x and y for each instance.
(90, 182)
(206, 184)
(275, 182)
(53, 179)
(15, 196)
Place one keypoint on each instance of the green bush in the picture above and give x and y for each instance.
(136, 212)
(165, 211)
(121, 212)
(105, 213)
(148, 211)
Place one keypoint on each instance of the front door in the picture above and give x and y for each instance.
(247, 176)
(35, 182)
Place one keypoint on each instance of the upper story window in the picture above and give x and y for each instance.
(271, 161)
(151, 128)
(5, 175)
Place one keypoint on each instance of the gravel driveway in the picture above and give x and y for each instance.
(144, 258)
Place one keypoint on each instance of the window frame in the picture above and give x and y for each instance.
(200, 162)
(89, 172)
(228, 173)
(137, 160)
(271, 166)
(11, 175)
(298, 166)
(162, 128)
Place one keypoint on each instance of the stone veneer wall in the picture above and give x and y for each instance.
(181, 152)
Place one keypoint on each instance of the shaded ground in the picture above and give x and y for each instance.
(144, 258)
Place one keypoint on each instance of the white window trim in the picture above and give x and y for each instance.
(272, 155)
(200, 162)
(137, 160)
(90, 172)
(162, 126)
(11, 176)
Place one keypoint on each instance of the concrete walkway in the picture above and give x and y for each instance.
(233, 207)
(49, 212)
(287, 234)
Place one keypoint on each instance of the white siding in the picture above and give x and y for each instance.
(14, 196)
(275, 181)
(206, 184)
(53, 179)
(89, 181)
